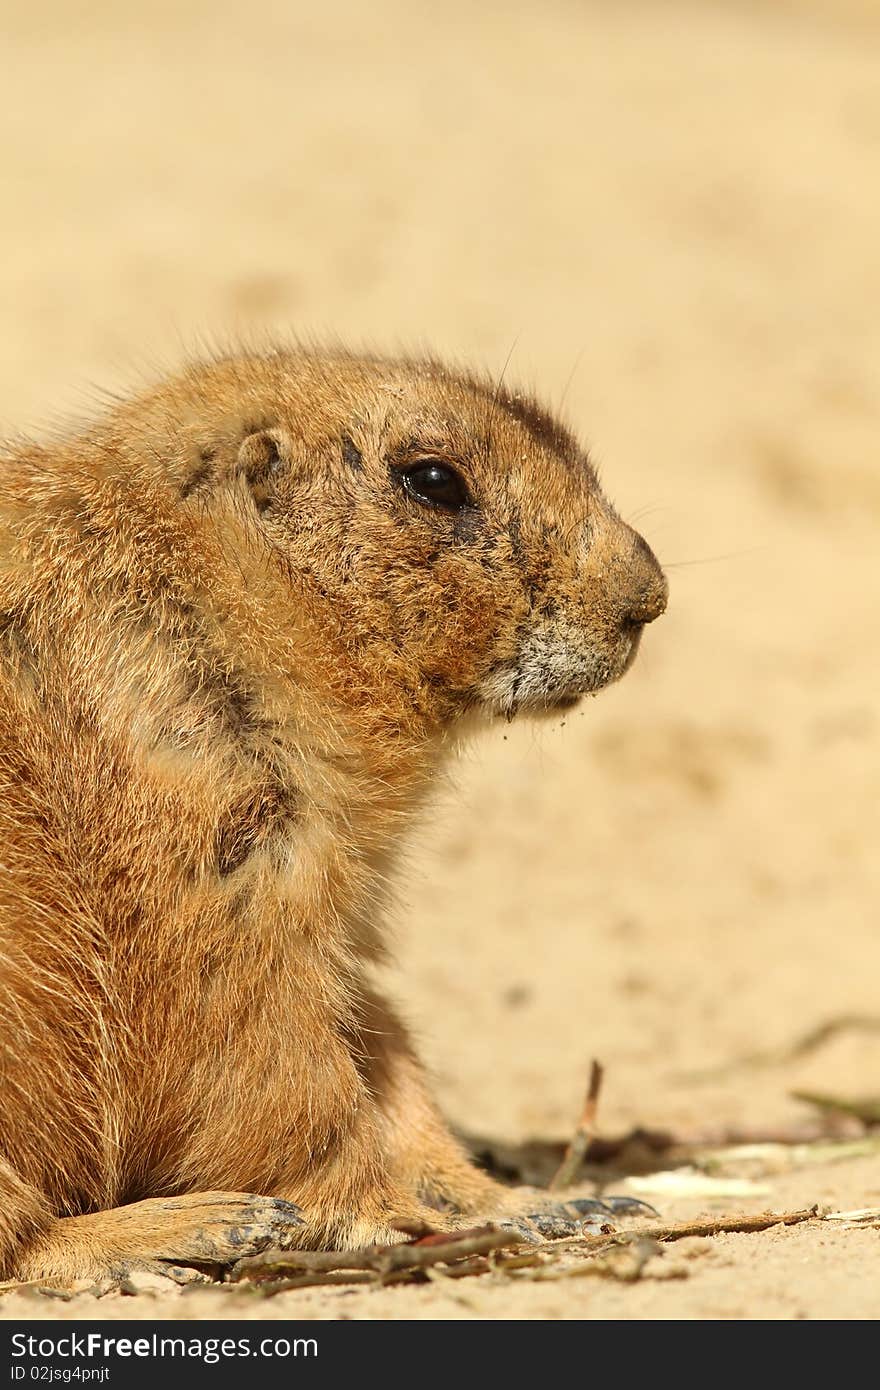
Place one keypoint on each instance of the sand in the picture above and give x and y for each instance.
(668, 216)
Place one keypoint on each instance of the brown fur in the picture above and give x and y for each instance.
(233, 653)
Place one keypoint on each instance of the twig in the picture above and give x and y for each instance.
(339, 1277)
(642, 1150)
(863, 1216)
(580, 1141)
(864, 1108)
(677, 1230)
(478, 1252)
(624, 1261)
(383, 1260)
(801, 1046)
(425, 1253)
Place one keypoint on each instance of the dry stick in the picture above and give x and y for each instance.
(801, 1046)
(761, 1221)
(481, 1264)
(339, 1277)
(622, 1261)
(461, 1269)
(380, 1259)
(659, 1144)
(864, 1108)
(583, 1135)
(587, 1147)
(421, 1256)
(403, 1263)
(664, 1142)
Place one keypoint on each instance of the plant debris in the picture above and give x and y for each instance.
(490, 1250)
(864, 1108)
(799, 1047)
(864, 1216)
(499, 1252)
(382, 1262)
(573, 1158)
(690, 1182)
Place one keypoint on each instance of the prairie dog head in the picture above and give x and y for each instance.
(454, 536)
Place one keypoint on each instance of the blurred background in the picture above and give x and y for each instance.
(668, 217)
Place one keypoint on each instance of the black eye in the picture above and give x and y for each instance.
(436, 485)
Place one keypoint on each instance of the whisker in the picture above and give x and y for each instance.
(713, 559)
(500, 381)
(571, 376)
(642, 512)
(496, 393)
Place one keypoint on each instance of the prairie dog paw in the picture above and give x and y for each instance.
(577, 1217)
(220, 1227)
(214, 1228)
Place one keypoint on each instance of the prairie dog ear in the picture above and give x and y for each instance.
(261, 457)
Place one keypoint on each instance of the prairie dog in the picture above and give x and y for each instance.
(240, 619)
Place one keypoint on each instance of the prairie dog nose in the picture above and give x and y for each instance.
(649, 591)
(649, 605)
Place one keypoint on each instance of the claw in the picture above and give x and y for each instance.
(630, 1206)
(563, 1219)
(522, 1226)
(577, 1217)
(588, 1206)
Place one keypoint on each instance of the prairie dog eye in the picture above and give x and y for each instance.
(436, 485)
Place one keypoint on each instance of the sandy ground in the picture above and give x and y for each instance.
(669, 216)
